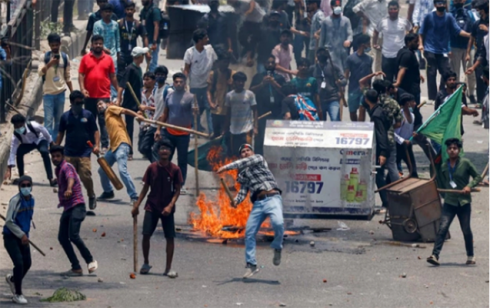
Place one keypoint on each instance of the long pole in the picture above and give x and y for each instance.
(196, 147)
(33, 245)
(135, 244)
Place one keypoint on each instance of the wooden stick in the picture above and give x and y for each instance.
(196, 147)
(259, 118)
(195, 132)
(227, 191)
(422, 104)
(128, 85)
(30, 242)
(484, 171)
(135, 244)
(455, 191)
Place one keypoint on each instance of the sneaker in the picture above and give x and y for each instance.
(53, 182)
(92, 266)
(251, 270)
(106, 195)
(434, 260)
(471, 260)
(11, 284)
(72, 273)
(92, 203)
(19, 299)
(277, 257)
(183, 191)
(472, 99)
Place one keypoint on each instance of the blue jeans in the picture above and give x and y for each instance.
(121, 157)
(154, 57)
(333, 109)
(53, 110)
(202, 102)
(272, 207)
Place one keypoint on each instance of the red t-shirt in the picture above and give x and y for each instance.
(162, 181)
(97, 72)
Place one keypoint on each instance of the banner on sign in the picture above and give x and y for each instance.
(323, 168)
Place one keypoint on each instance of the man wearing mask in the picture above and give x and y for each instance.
(478, 33)
(434, 43)
(358, 65)
(28, 135)
(150, 16)
(317, 17)
(330, 80)
(393, 29)
(465, 19)
(270, 37)
(95, 76)
(56, 78)
(216, 25)
(79, 126)
(71, 200)
(267, 88)
(336, 34)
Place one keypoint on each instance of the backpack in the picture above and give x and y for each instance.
(47, 58)
(31, 128)
(306, 109)
(164, 25)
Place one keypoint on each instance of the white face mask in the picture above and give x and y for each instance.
(337, 10)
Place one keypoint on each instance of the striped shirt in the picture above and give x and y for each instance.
(64, 172)
(254, 176)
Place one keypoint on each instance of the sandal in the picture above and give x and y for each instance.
(92, 266)
(171, 274)
(145, 269)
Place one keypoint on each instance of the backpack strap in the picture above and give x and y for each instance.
(31, 128)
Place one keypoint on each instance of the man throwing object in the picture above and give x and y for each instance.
(254, 176)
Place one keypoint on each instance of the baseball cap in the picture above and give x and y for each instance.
(138, 51)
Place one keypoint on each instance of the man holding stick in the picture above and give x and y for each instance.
(119, 150)
(165, 179)
(254, 176)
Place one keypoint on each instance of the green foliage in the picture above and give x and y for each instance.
(48, 27)
(65, 295)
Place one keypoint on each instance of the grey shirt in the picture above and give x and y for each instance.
(335, 31)
(316, 23)
(257, 14)
(179, 108)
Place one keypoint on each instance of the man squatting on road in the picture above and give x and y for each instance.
(254, 176)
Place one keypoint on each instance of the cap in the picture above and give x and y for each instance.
(245, 146)
(25, 178)
(274, 13)
(138, 51)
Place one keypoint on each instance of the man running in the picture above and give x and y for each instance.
(254, 176)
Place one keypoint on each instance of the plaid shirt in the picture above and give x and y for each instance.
(64, 172)
(253, 176)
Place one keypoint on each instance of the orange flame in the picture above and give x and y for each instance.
(214, 215)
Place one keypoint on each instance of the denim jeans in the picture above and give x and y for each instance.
(69, 232)
(154, 58)
(53, 110)
(299, 44)
(332, 109)
(202, 101)
(121, 157)
(21, 258)
(181, 144)
(272, 207)
(464, 216)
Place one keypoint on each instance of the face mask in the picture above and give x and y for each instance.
(367, 49)
(161, 79)
(322, 58)
(77, 108)
(337, 10)
(25, 191)
(441, 9)
(20, 130)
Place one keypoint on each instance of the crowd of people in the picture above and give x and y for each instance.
(305, 53)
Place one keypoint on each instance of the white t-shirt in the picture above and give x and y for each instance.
(201, 64)
(241, 111)
(393, 32)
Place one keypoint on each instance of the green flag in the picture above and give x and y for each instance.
(445, 122)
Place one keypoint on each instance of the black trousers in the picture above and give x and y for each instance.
(91, 105)
(43, 148)
(389, 67)
(21, 257)
(218, 124)
(146, 140)
(248, 36)
(380, 182)
(130, 129)
(69, 232)
(481, 87)
(67, 13)
(181, 144)
(401, 154)
(464, 216)
(259, 138)
(435, 62)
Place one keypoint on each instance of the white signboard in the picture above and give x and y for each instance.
(322, 167)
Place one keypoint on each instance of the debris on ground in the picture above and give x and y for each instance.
(324, 280)
(94, 230)
(100, 280)
(132, 276)
(342, 226)
(404, 275)
(312, 243)
(282, 305)
(65, 295)
(103, 234)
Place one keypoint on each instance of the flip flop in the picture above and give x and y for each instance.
(145, 269)
(171, 274)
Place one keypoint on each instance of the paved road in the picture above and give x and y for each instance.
(359, 268)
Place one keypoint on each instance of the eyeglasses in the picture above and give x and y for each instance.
(25, 185)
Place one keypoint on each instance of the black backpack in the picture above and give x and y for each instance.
(47, 58)
(164, 26)
(31, 128)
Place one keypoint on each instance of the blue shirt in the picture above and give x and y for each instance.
(112, 39)
(435, 32)
(23, 216)
(78, 131)
(465, 19)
